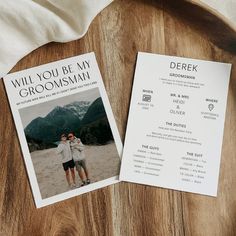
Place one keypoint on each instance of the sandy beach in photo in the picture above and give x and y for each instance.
(102, 161)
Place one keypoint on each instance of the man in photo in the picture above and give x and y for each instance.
(77, 149)
(68, 164)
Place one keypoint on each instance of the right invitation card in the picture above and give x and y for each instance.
(176, 123)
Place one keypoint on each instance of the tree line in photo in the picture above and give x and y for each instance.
(88, 121)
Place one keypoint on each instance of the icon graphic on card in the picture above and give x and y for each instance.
(147, 98)
(211, 107)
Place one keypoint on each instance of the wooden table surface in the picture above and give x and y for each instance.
(116, 35)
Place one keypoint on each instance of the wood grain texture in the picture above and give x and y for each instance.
(116, 35)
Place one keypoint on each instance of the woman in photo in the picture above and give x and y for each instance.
(77, 149)
(68, 164)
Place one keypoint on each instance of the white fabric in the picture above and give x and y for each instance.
(27, 24)
(224, 7)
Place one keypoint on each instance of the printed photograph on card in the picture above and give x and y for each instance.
(68, 135)
(70, 142)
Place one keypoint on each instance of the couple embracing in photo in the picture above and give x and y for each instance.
(72, 155)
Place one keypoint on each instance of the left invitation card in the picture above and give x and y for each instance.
(66, 128)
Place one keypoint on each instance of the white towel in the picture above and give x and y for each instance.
(28, 24)
(227, 8)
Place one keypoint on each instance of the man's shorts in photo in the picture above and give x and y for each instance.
(80, 164)
(69, 164)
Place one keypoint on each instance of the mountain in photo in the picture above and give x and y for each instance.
(78, 108)
(87, 120)
(60, 120)
(95, 112)
(95, 127)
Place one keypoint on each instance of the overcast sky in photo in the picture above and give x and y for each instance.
(41, 110)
